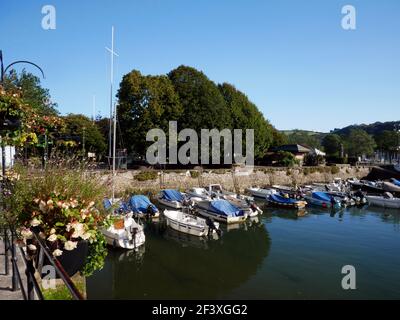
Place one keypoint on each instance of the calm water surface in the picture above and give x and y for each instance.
(280, 256)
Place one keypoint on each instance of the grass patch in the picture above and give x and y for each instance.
(61, 292)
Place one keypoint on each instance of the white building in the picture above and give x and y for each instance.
(9, 156)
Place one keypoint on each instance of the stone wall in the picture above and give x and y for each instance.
(126, 182)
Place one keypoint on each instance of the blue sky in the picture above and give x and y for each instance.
(292, 58)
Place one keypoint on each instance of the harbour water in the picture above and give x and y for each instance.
(280, 256)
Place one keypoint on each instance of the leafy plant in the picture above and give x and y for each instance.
(63, 205)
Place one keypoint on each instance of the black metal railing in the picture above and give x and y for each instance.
(31, 289)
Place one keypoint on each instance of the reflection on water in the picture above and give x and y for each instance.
(284, 254)
(181, 266)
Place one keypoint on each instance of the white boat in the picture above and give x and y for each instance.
(187, 223)
(171, 198)
(260, 192)
(198, 194)
(384, 201)
(220, 210)
(125, 233)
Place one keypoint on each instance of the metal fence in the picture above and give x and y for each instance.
(30, 288)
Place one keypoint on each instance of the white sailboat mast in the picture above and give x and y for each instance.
(113, 113)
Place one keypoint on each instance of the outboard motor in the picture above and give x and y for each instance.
(388, 195)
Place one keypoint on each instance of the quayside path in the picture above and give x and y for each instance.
(6, 292)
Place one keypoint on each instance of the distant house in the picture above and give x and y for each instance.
(297, 150)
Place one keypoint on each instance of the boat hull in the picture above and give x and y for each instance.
(170, 204)
(321, 203)
(197, 230)
(224, 219)
(390, 203)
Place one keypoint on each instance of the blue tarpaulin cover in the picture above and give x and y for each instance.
(141, 203)
(107, 204)
(224, 207)
(321, 196)
(280, 199)
(396, 182)
(172, 195)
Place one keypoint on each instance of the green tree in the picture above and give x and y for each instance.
(304, 138)
(81, 127)
(245, 115)
(145, 103)
(359, 143)
(332, 144)
(203, 105)
(32, 93)
(387, 140)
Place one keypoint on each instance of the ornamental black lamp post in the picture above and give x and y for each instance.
(7, 124)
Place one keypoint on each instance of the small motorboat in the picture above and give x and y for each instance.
(216, 190)
(220, 210)
(391, 187)
(198, 194)
(190, 224)
(142, 207)
(249, 207)
(385, 201)
(171, 198)
(260, 192)
(125, 232)
(280, 201)
(322, 199)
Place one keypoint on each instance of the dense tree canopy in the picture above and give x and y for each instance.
(80, 128)
(145, 102)
(388, 140)
(332, 145)
(31, 92)
(244, 114)
(202, 102)
(359, 143)
(187, 96)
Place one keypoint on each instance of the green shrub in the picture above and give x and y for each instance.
(146, 175)
(194, 174)
(286, 159)
(335, 170)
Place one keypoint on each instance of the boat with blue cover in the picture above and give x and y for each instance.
(220, 210)
(141, 206)
(286, 202)
(171, 198)
(322, 199)
(125, 232)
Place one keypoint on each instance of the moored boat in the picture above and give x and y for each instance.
(322, 199)
(385, 201)
(280, 201)
(190, 224)
(220, 210)
(260, 192)
(141, 206)
(125, 232)
(171, 198)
